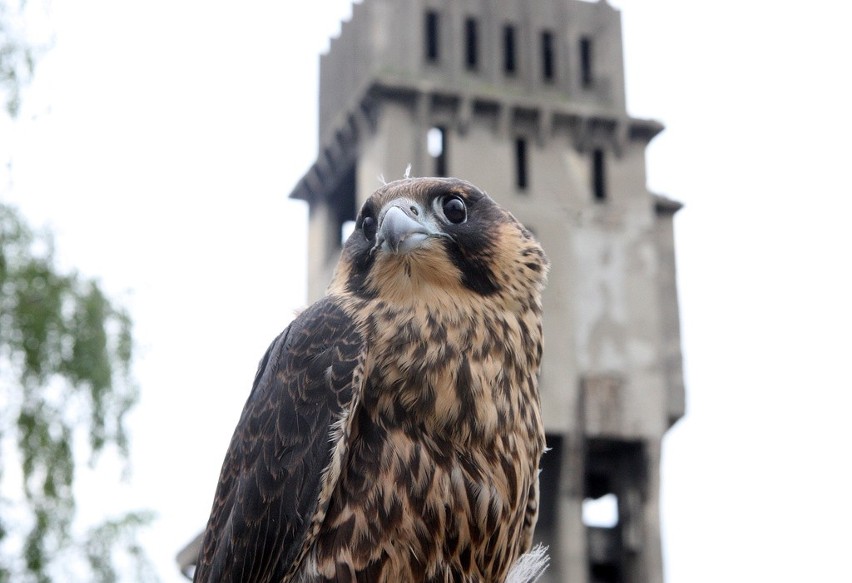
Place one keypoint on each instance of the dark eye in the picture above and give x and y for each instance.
(368, 226)
(454, 209)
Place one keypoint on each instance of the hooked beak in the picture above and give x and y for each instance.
(403, 227)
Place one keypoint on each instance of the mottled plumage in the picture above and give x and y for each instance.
(393, 432)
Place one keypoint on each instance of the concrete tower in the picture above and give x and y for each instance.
(526, 100)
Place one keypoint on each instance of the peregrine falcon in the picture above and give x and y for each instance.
(393, 432)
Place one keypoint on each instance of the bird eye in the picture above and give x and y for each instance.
(454, 209)
(368, 226)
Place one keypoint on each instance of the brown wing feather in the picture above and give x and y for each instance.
(274, 470)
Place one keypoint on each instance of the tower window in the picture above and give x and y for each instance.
(549, 482)
(599, 175)
(436, 145)
(521, 164)
(471, 34)
(615, 477)
(548, 56)
(432, 36)
(342, 203)
(601, 512)
(586, 72)
(509, 56)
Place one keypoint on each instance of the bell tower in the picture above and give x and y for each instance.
(526, 100)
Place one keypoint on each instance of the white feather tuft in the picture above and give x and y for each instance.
(529, 566)
(407, 171)
(382, 180)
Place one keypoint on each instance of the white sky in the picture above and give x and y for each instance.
(159, 141)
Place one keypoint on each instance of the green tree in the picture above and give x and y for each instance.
(65, 357)
(17, 56)
(65, 370)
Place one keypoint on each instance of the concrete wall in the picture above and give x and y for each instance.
(385, 38)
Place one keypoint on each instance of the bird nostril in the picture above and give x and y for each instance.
(414, 210)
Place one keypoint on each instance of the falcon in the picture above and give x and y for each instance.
(393, 432)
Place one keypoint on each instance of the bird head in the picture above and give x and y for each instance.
(438, 237)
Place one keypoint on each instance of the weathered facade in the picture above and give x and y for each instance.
(526, 100)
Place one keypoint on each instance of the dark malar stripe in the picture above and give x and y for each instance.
(362, 262)
(476, 274)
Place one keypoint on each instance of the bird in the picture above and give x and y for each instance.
(393, 431)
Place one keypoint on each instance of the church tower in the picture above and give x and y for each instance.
(526, 100)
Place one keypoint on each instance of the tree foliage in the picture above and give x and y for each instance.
(65, 356)
(17, 56)
(65, 380)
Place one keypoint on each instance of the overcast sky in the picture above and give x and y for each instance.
(159, 141)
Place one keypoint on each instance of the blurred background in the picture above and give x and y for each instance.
(157, 141)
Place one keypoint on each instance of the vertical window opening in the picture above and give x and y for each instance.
(509, 59)
(586, 72)
(551, 467)
(436, 145)
(471, 33)
(548, 56)
(521, 164)
(615, 476)
(432, 36)
(599, 175)
(345, 230)
(601, 512)
(344, 209)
